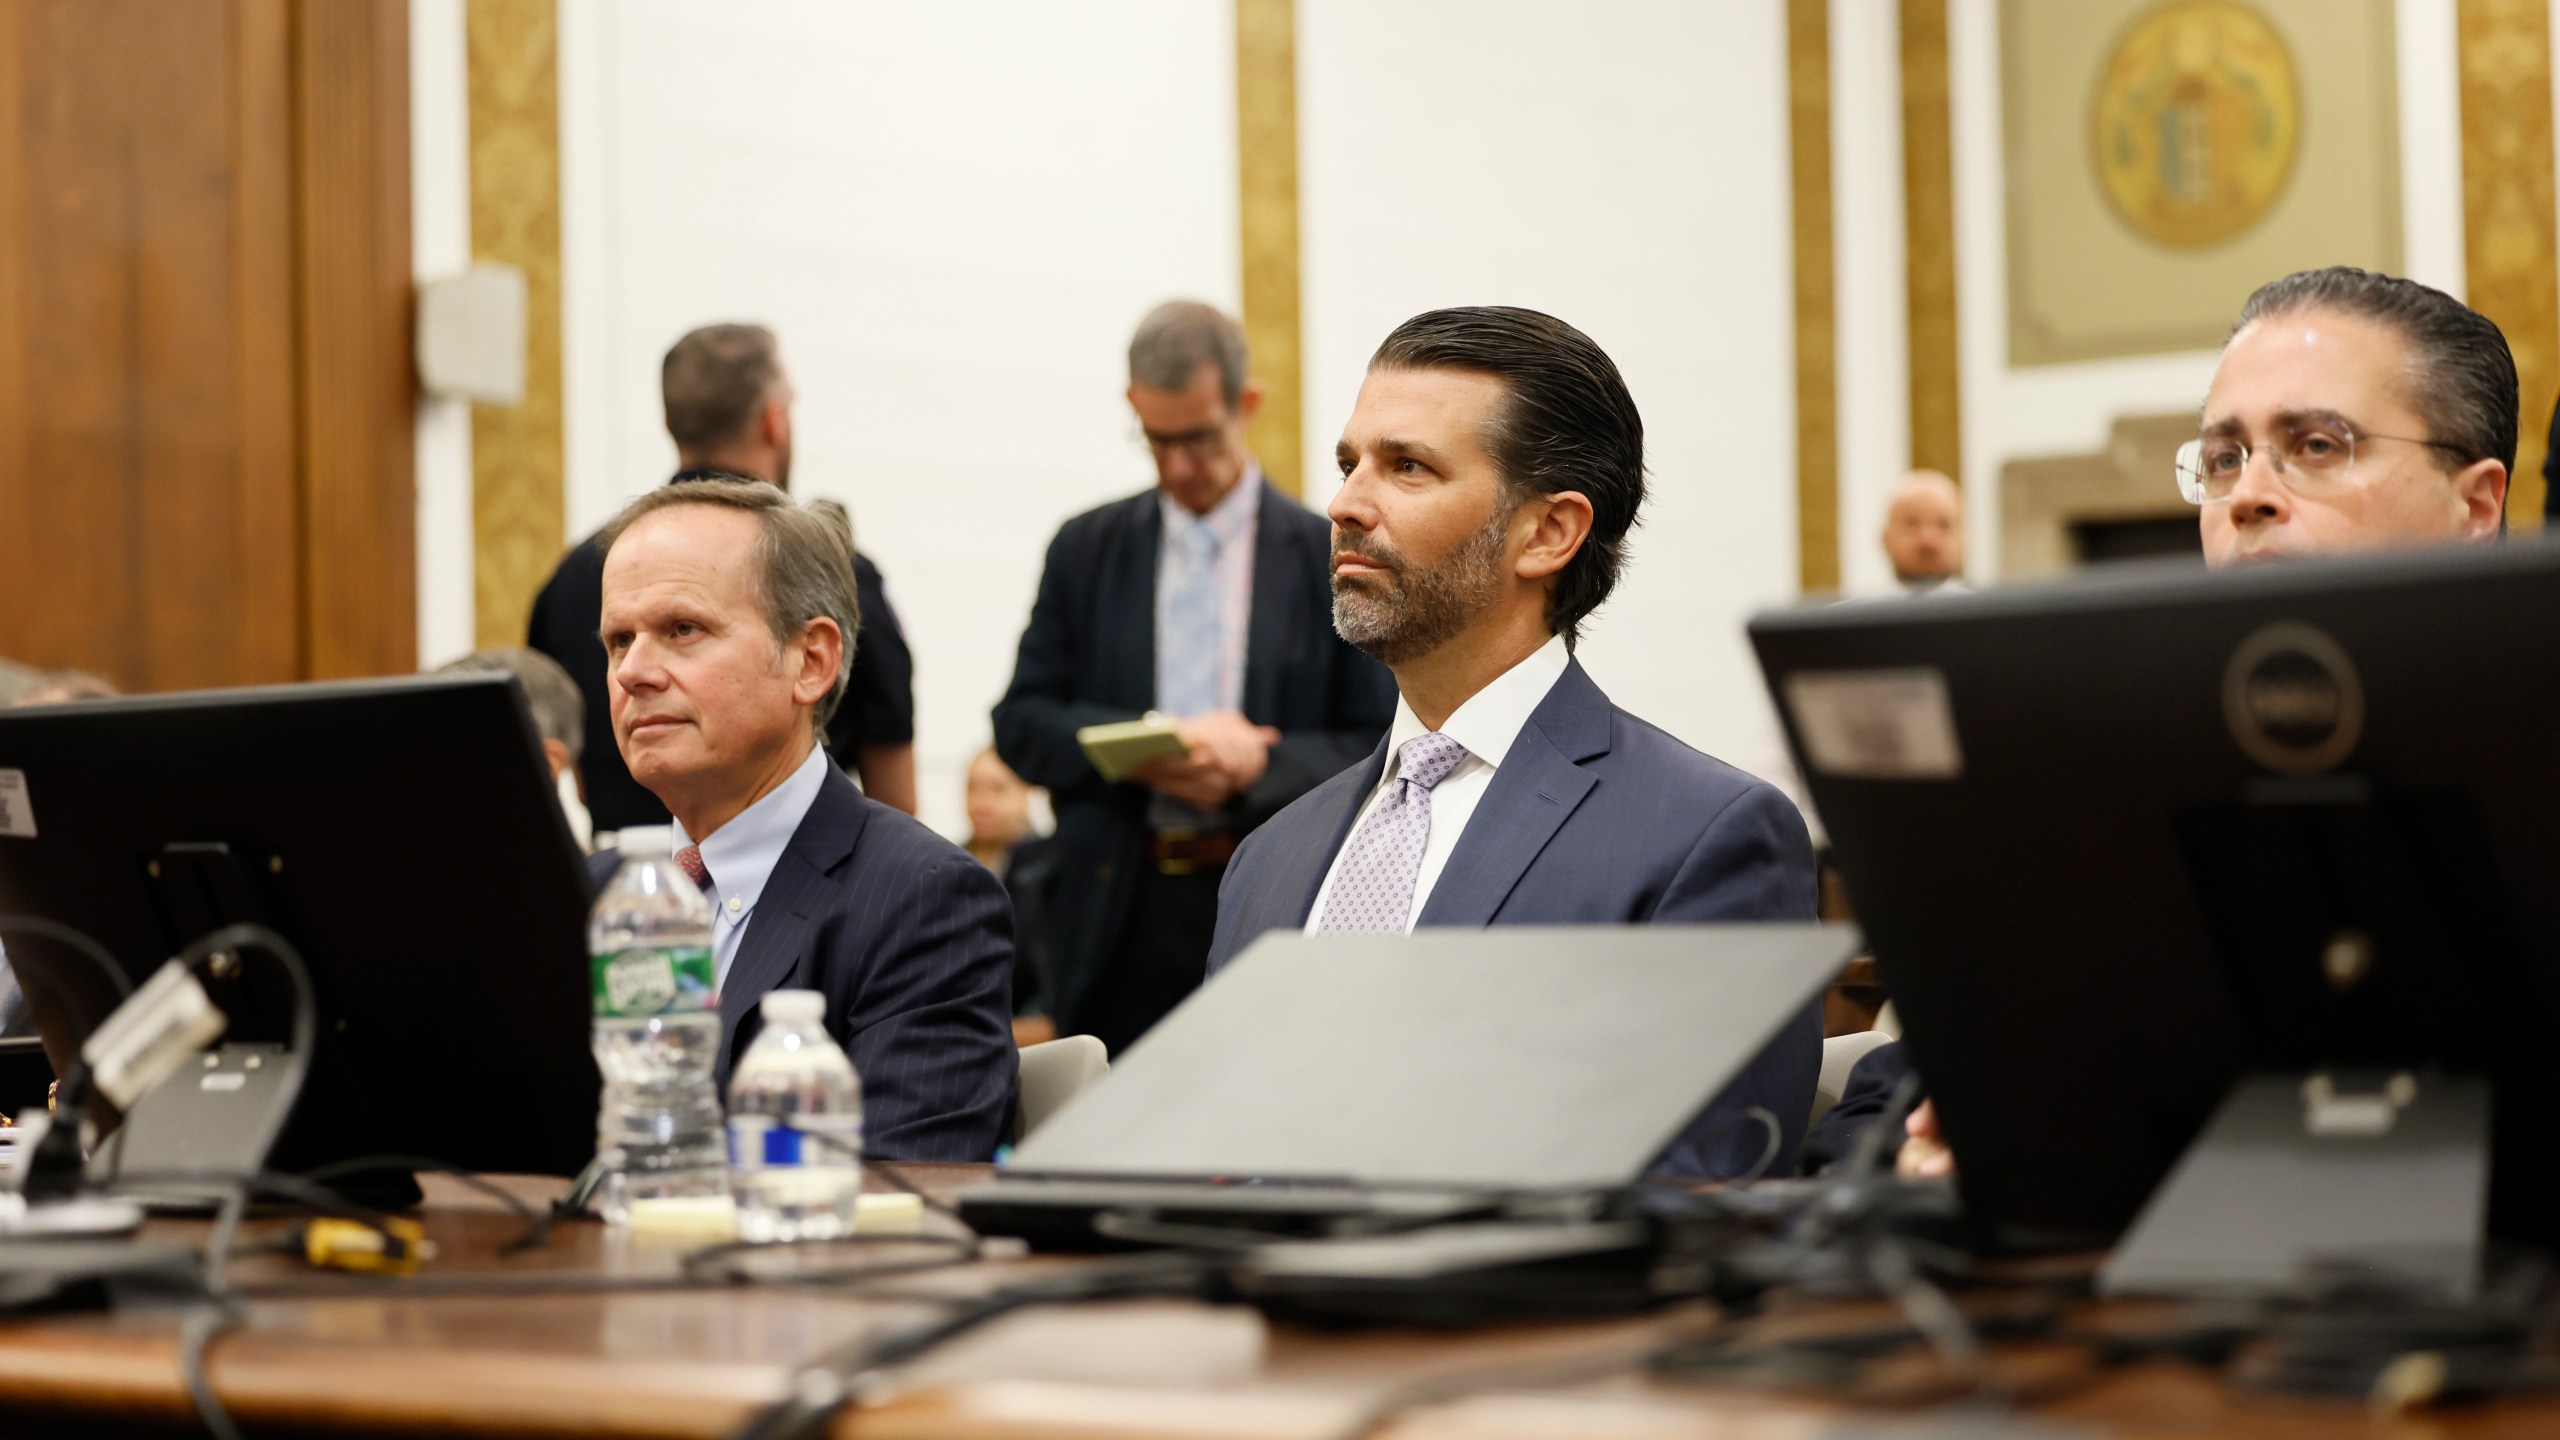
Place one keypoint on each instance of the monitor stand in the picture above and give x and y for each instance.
(2375, 1176)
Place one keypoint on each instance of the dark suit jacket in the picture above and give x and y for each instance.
(1088, 657)
(1595, 818)
(910, 940)
(1863, 1099)
(879, 701)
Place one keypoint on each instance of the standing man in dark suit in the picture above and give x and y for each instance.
(1491, 470)
(1204, 598)
(726, 609)
(728, 408)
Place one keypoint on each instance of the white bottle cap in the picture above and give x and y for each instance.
(794, 1007)
(647, 840)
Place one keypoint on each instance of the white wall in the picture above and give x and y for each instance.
(1871, 346)
(2011, 413)
(440, 244)
(1622, 165)
(953, 214)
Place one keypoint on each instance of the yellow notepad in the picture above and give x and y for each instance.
(1118, 749)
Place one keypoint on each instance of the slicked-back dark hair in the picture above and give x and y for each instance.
(1566, 423)
(715, 380)
(2461, 376)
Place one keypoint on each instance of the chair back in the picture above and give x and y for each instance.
(1840, 1055)
(1052, 1072)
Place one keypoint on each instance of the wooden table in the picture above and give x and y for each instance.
(387, 1358)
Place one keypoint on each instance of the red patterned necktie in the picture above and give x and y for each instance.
(689, 859)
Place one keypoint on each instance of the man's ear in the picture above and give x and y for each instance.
(2481, 486)
(558, 756)
(1558, 524)
(775, 423)
(820, 651)
(1249, 401)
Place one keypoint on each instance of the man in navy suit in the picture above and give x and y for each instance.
(1492, 468)
(726, 615)
(1205, 599)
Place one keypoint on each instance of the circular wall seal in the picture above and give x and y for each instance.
(2292, 699)
(2196, 121)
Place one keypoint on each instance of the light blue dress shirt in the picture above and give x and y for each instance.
(741, 854)
(1204, 607)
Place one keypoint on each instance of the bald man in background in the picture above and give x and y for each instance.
(1924, 535)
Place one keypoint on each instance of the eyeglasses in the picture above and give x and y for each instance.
(2315, 459)
(1202, 444)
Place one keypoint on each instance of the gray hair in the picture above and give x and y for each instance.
(714, 380)
(559, 711)
(17, 680)
(805, 561)
(2461, 376)
(1180, 336)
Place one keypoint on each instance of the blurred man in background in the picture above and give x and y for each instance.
(728, 408)
(1207, 599)
(1924, 534)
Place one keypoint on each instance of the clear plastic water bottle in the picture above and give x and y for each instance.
(795, 1126)
(657, 1032)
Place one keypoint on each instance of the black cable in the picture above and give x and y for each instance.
(306, 1006)
(848, 1281)
(215, 1317)
(538, 1223)
(854, 1372)
(1769, 1152)
(60, 1152)
(1444, 1389)
(898, 1181)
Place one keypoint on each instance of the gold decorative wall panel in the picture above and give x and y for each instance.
(1817, 385)
(1929, 243)
(2507, 239)
(1267, 170)
(2162, 160)
(516, 460)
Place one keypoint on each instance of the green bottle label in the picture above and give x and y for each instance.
(653, 980)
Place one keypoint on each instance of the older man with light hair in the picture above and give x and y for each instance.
(728, 612)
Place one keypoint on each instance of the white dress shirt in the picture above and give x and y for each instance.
(741, 854)
(1486, 724)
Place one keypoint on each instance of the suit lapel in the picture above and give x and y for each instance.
(1137, 580)
(1539, 785)
(1277, 568)
(769, 954)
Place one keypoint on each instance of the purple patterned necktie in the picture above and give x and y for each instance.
(689, 860)
(1374, 891)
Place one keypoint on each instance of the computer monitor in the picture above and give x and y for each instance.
(403, 834)
(2122, 840)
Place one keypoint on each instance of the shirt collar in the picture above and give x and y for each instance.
(1492, 717)
(741, 854)
(1230, 520)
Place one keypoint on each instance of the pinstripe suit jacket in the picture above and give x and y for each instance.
(911, 941)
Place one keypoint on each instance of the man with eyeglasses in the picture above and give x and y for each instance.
(2350, 411)
(1208, 599)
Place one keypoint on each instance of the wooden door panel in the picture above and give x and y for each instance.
(205, 429)
(149, 553)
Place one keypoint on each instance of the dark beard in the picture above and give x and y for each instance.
(1419, 610)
